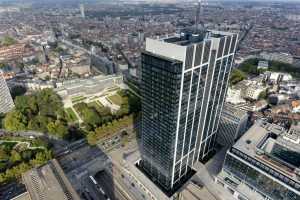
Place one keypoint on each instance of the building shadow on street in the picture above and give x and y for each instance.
(90, 172)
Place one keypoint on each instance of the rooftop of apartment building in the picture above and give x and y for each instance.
(177, 45)
(233, 110)
(274, 146)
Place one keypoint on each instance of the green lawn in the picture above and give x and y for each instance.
(96, 97)
(78, 99)
(116, 99)
(95, 105)
(113, 89)
(99, 103)
(71, 115)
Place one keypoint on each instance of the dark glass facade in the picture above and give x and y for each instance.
(181, 106)
(161, 81)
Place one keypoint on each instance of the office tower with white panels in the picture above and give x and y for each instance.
(184, 83)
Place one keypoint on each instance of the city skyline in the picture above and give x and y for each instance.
(149, 100)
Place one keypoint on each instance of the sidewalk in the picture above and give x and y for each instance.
(206, 175)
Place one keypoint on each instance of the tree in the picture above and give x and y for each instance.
(3, 155)
(49, 103)
(58, 128)
(39, 123)
(42, 108)
(249, 66)
(15, 121)
(110, 128)
(1, 119)
(15, 157)
(263, 95)
(92, 117)
(26, 105)
(41, 158)
(13, 173)
(2, 65)
(237, 76)
(7, 41)
(27, 155)
(17, 91)
(89, 115)
(134, 104)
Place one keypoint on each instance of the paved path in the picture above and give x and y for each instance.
(77, 115)
(131, 90)
(27, 144)
(216, 190)
(214, 165)
(106, 103)
(206, 175)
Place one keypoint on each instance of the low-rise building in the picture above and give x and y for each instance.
(260, 105)
(281, 57)
(234, 96)
(290, 87)
(11, 52)
(276, 99)
(39, 84)
(277, 77)
(264, 164)
(296, 106)
(263, 65)
(49, 182)
(85, 88)
(251, 89)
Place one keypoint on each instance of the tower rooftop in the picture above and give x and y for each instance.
(193, 36)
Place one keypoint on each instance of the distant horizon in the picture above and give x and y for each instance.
(162, 0)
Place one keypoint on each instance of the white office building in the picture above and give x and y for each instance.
(184, 84)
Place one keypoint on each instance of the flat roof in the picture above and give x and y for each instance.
(233, 110)
(268, 144)
(188, 37)
(87, 86)
(49, 182)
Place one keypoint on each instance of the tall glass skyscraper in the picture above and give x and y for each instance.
(184, 83)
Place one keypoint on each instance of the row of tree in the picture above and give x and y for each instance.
(16, 171)
(250, 67)
(110, 128)
(7, 41)
(123, 118)
(94, 117)
(237, 76)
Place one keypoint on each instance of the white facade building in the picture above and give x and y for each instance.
(253, 92)
(184, 83)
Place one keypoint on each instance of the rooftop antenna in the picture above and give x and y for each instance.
(198, 23)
